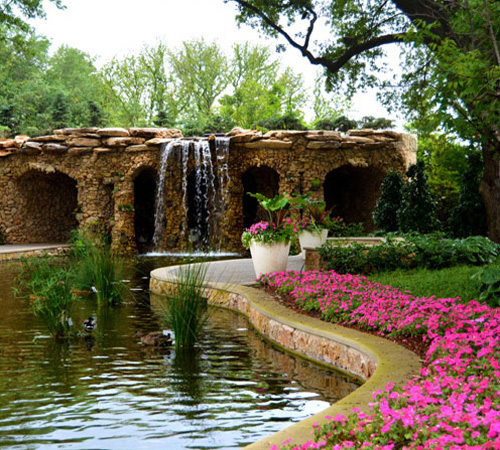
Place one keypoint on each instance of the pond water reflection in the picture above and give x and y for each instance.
(111, 392)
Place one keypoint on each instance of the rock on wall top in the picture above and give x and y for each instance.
(313, 140)
(77, 141)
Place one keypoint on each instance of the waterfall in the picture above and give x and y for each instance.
(204, 186)
(222, 152)
(166, 150)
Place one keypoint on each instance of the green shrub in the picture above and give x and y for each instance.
(418, 211)
(359, 258)
(338, 228)
(186, 309)
(427, 251)
(389, 202)
(469, 216)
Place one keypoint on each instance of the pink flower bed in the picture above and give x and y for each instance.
(454, 403)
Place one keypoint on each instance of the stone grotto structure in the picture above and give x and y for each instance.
(152, 188)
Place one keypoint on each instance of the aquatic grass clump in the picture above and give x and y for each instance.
(186, 308)
(454, 403)
(48, 287)
(97, 267)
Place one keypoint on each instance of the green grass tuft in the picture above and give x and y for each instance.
(186, 309)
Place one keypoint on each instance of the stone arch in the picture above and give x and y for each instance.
(144, 207)
(352, 193)
(263, 180)
(48, 204)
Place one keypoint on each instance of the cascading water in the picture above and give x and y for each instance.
(222, 152)
(204, 189)
(166, 151)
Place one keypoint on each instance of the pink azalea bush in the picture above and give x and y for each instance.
(455, 402)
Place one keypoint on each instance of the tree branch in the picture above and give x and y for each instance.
(332, 66)
(492, 33)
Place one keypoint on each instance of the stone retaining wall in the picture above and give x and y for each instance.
(83, 177)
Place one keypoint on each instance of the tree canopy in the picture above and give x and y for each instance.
(13, 13)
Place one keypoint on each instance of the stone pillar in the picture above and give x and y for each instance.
(123, 233)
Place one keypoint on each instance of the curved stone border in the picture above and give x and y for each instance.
(371, 358)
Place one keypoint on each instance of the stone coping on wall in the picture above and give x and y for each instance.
(373, 359)
(81, 141)
(17, 252)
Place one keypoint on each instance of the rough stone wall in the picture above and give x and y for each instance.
(38, 177)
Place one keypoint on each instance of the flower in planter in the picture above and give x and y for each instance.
(267, 233)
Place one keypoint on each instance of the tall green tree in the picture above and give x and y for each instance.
(418, 208)
(261, 90)
(72, 76)
(199, 71)
(452, 67)
(385, 215)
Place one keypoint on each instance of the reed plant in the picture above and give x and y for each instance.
(97, 268)
(186, 308)
(47, 284)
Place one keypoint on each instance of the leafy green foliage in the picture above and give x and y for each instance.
(469, 215)
(389, 202)
(418, 207)
(489, 277)
(427, 251)
(375, 123)
(277, 208)
(13, 13)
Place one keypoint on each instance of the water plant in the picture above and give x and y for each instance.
(186, 309)
(47, 284)
(97, 267)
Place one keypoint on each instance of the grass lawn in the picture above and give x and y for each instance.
(444, 283)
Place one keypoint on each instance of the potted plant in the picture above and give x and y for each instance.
(269, 241)
(312, 229)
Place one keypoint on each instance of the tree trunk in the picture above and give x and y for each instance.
(490, 190)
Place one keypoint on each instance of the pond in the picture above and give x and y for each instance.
(111, 392)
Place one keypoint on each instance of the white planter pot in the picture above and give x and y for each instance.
(312, 239)
(269, 258)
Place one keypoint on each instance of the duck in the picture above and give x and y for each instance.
(89, 324)
(155, 339)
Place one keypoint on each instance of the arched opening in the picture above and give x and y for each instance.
(263, 180)
(198, 210)
(48, 204)
(144, 207)
(352, 193)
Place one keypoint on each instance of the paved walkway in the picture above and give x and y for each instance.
(233, 271)
(29, 247)
(16, 252)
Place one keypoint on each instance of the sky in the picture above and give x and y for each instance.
(109, 28)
